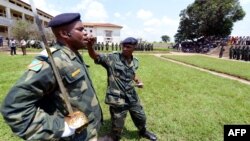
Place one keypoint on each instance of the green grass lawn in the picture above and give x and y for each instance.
(236, 68)
(181, 103)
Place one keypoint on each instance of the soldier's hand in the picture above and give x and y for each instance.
(77, 120)
(139, 85)
(91, 41)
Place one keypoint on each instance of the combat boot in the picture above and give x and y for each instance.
(113, 137)
(148, 135)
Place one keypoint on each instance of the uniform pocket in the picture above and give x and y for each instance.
(75, 81)
(118, 69)
(113, 97)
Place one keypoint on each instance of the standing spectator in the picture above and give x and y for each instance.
(116, 46)
(107, 46)
(112, 46)
(8, 41)
(221, 51)
(231, 52)
(12, 45)
(23, 46)
(1, 41)
(102, 46)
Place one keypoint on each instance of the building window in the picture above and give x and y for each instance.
(45, 24)
(3, 29)
(2, 12)
(108, 33)
(29, 18)
(11, 1)
(19, 5)
(16, 16)
(108, 40)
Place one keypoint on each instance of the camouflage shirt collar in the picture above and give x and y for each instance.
(67, 51)
(123, 59)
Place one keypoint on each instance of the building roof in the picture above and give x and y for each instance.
(36, 8)
(101, 25)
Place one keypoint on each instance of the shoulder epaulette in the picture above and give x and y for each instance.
(45, 54)
(135, 58)
(115, 52)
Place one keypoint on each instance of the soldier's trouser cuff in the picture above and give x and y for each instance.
(116, 132)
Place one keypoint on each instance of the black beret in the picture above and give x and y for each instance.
(130, 40)
(63, 19)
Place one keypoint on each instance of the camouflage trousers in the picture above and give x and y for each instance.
(118, 116)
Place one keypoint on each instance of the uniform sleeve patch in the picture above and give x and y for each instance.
(35, 65)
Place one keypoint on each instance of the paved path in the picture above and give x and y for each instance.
(202, 69)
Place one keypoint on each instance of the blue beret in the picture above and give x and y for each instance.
(64, 19)
(130, 40)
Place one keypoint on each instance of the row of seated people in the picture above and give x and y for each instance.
(238, 40)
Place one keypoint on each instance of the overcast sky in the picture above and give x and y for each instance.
(147, 19)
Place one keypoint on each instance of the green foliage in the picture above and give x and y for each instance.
(181, 103)
(165, 38)
(23, 29)
(208, 18)
(20, 29)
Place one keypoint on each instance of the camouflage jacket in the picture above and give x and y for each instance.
(33, 107)
(120, 90)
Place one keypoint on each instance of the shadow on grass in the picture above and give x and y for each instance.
(126, 135)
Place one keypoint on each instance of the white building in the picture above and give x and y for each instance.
(11, 10)
(105, 32)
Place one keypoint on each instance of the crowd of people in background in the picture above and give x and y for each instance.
(240, 52)
(238, 40)
(13, 44)
(116, 47)
(201, 45)
(101, 46)
(239, 47)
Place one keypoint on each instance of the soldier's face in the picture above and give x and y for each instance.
(127, 50)
(78, 36)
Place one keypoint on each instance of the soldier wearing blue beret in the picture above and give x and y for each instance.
(121, 95)
(130, 41)
(33, 107)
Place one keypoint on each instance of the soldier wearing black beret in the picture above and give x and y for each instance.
(121, 95)
(33, 107)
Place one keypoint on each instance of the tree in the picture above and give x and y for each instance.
(205, 18)
(20, 29)
(165, 38)
(23, 29)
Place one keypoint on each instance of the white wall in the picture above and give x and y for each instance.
(99, 32)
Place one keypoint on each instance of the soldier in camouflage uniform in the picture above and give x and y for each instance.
(121, 95)
(33, 107)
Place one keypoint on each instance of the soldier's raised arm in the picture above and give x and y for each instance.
(92, 53)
